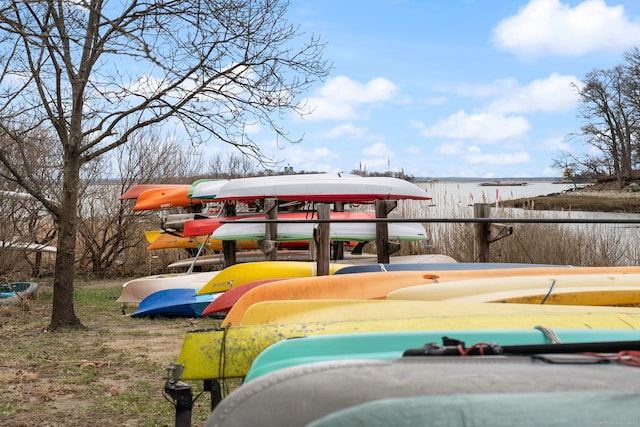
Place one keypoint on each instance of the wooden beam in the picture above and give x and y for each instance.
(383, 207)
(322, 241)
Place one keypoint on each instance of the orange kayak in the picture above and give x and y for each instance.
(165, 198)
(377, 285)
(135, 191)
(172, 241)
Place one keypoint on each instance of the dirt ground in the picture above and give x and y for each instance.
(111, 374)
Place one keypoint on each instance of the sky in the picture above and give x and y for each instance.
(440, 88)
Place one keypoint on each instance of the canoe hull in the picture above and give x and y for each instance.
(392, 345)
(229, 352)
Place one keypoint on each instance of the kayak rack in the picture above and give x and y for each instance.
(180, 394)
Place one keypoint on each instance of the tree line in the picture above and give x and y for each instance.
(609, 107)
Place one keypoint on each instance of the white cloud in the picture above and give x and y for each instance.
(450, 148)
(558, 143)
(346, 130)
(553, 94)
(497, 159)
(495, 88)
(340, 98)
(413, 149)
(378, 150)
(555, 28)
(489, 127)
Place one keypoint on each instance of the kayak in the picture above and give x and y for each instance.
(327, 187)
(181, 302)
(380, 285)
(535, 288)
(550, 390)
(15, 292)
(275, 312)
(392, 345)
(229, 352)
(239, 274)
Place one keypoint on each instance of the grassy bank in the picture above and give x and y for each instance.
(109, 375)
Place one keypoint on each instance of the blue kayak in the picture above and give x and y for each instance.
(174, 303)
(14, 292)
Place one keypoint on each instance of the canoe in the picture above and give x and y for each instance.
(378, 285)
(138, 289)
(229, 352)
(205, 189)
(135, 191)
(179, 302)
(27, 247)
(226, 301)
(410, 262)
(440, 262)
(204, 226)
(165, 198)
(476, 391)
(241, 257)
(320, 188)
(177, 222)
(536, 285)
(274, 312)
(15, 292)
(176, 241)
(240, 274)
(392, 345)
(589, 295)
(496, 409)
(340, 231)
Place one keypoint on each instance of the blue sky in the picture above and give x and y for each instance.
(474, 88)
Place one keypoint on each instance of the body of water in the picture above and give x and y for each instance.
(458, 197)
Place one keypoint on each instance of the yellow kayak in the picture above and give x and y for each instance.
(379, 284)
(270, 312)
(229, 352)
(505, 289)
(240, 274)
(619, 296)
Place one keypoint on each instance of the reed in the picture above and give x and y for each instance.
(539, 243)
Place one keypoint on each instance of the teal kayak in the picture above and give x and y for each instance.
(391, 345)
(14, 292)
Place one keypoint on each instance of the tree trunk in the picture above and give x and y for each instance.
(63, 315)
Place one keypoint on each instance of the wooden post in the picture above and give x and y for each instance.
(481, 248)
(229, 246)
(383, 207)
(338, 247)
(321, 240)
(271, 231)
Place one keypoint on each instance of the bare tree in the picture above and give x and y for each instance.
(231, 165)
(611, 123)
(107, 226)
(94, 73)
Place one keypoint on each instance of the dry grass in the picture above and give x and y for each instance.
(111, 374)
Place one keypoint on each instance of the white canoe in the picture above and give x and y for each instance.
(138, 289)
(320, 188)
(27, 247)
(341, 231)
(206, 189)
